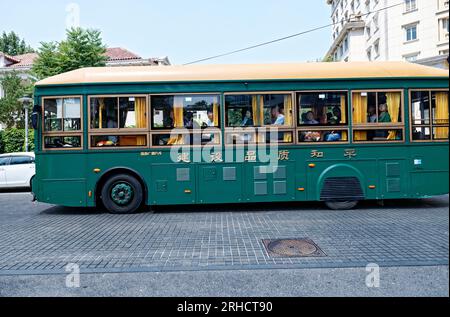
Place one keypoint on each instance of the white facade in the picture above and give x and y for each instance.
(414, 31)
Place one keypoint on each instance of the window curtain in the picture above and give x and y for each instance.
(287, 137)
(178, 107)
(288, 111)
(101, 107)
(255, 110)
(140, 113)
(178, 111)
(360, 114)
(343, 109)
(393, 106)
(441, 115)
(216, 112)
(141, 140)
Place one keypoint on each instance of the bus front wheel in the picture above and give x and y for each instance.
(122, 194)
(341, 205)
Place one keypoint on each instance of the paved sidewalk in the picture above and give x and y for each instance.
(43, 239)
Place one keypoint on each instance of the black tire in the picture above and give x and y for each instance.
(122, 194)
(341, 205)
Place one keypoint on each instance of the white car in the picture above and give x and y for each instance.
(16, 170)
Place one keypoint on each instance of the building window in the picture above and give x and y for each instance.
(443, 29)
(368, 31)
(346, 44)
(369, 54)
(410, 5)
(411, 33)
(411, 58)
(376, 49)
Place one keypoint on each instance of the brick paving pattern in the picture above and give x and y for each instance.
(41, 239)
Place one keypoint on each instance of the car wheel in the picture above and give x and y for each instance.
(122, 194)
(341, 205)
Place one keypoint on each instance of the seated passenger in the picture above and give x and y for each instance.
(310, 118)
(248, 119)
(168, 121)
(277, 116)
(334, 117)
(384, 114)
(210, 121)
(372, 114)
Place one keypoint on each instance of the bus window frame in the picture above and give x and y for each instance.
(219, 94)
(122, 133)
(79, 133)
(291, 128)
(114, 131)
(431, 125)
(318, 127)
(184, 145)
(159, 131)
(244, 93)
(378, 125)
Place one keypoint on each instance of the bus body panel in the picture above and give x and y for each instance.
(397, 175)
(384, 171)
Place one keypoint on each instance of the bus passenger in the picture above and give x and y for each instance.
(277, 116)
(248, 119)
(210, 121)
(372, 111)
(310, 118)
(384, 114)
(335, 116)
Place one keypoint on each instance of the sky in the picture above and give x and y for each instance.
(182, 30)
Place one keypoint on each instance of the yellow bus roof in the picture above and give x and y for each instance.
(289, 71)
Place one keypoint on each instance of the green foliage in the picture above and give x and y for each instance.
(328, 59)
(11, 110)
(11, 44)
(82, 48)
(13, 140)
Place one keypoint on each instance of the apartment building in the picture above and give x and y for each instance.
(382, 30)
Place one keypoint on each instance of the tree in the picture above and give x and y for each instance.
(11, 110)
(82, 48)
(12, 44)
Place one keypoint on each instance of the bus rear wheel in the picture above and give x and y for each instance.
(122, 194)
(341, 205)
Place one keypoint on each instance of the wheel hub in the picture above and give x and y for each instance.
(122, 194)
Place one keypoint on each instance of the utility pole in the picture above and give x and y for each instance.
(26, 101)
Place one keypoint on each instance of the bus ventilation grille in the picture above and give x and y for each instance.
(341, 189)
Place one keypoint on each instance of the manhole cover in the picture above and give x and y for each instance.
(292, 248)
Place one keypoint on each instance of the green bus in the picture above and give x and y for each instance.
(128, 137)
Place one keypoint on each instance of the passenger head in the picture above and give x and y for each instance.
(372, 110)
(210, 115)
(310, 116)
(382, 107)
(248, 114)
